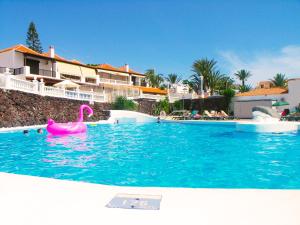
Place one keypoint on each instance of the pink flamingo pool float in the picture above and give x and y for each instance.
(71, 127)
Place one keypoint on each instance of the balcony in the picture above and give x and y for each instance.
(26, 71)
(111, 81)
(11, 82)
(47, 73)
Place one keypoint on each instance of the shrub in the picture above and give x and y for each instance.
(122, 103)
(178, 105)
(162, 105)
(228, 94)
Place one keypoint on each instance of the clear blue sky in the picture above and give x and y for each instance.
(165, 35)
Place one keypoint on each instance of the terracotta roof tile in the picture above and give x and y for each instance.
(26, 50)
(264, 91)
(123, 68)
(106, 66)
(153, 90)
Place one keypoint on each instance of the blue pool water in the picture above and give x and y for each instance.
(163, 155)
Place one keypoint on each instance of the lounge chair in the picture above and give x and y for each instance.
(206, 113)
(224, 113)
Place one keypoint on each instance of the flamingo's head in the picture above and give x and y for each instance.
(50, 122)
(89, 110)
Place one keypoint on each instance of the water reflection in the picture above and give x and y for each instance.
(75, 142)
(69, 150)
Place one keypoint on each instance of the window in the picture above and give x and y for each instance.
(90, 80)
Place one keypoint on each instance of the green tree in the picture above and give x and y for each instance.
(205, 68)
(245, 88)
(226, 82)
(228, 95)
(279, 80)
(243, 75)
(215, 81)
(153, 79)
(162, 105)
(189, 83)
(122, 103)
(173, 78)
(32, 40)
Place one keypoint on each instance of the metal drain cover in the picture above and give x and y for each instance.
(135, 201)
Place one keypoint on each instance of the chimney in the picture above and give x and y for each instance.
(51, 51)
(127, 67)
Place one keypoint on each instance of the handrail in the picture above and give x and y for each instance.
(111, 81)
(36, 87)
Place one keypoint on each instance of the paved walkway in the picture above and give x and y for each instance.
(42, 201)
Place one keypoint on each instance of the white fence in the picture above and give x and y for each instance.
(35, 87)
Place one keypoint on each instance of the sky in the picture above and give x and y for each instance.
(169, 35)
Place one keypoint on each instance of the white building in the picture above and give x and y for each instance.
(22, 63)
(244, 102)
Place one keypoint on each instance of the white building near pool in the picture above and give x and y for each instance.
(20, 64)
(244, 102)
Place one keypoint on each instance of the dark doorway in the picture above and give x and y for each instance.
(133, 79)
(34, 66)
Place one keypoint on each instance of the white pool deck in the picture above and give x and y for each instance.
(28, 200)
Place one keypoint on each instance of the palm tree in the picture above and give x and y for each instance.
(196, 83)
(153, 79)
(279, 80)
(173, 78)
(226, 83)
(205, 68)
(215, 81)
(243, 75)
(189, 83)
(245, 88)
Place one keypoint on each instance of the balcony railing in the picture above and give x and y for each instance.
(36, 87)
(47, 73)
(21, 70)
(18, 71)
(111, 81)
(12, 71)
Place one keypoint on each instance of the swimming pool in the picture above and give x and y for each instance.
(159, 155)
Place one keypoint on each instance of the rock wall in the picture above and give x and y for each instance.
(146, 106)
(24, 109)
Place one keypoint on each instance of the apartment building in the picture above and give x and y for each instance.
(49, 68)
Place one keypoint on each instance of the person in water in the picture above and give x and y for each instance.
(158, 119)
(25, 132)
(40, 131)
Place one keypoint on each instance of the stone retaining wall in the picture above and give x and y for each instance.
(24, 109)
(146, 106)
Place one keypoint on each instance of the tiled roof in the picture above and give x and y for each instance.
(264, 91)
(121, 69)
(106, 66)
(153, 90)
(47, 54)
(26, 50)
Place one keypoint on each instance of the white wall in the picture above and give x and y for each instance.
(124, 116)
(243, 104)
(11, 59)
(18, 60)
(6, 59)
(293, 96)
